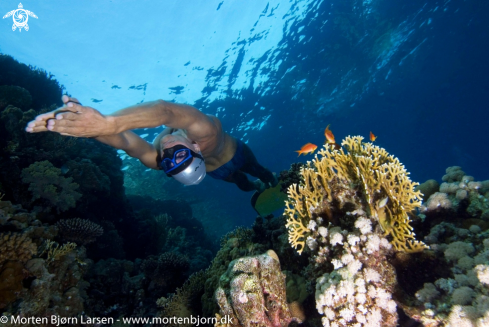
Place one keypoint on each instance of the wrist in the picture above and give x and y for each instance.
(113, 123)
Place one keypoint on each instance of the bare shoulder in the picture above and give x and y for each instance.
(207, 127)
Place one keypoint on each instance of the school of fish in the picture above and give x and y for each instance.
(309, 148)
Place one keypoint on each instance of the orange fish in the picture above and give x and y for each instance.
(329, 135)
(372, 137)
(330, 139)
(308, 148)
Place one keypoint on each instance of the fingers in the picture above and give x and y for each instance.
(64, 127)
(47, 122)
(40, 123)
(66, 99)
(66, 115)
(71, 104)
(61, 121)
(36, 127)
(46, 116)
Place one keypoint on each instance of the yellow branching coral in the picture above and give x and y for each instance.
(55, 251)
(381, 181)
(303, 199)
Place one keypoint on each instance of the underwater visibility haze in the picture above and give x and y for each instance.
(87, 231)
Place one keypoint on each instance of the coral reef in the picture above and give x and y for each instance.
(359, 289)
(45, 90)
(185, 300)
(81, 231)
(380, 179)
(167, 269)
(458, 294)
(266, 234)
(354, 259)
(53, 178)
(459, 196)
(428, 188)
(253, 292)
(234, 245)
(54, 251)
(46, 182)
(462, 298)
(364, 269)
(15, 96)
(291, 176)
(116, 288)
(15, 250)
(56, 170)
(351, 213)
(32, 282)
(16, 247)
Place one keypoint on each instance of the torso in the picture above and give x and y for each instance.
(217, 150)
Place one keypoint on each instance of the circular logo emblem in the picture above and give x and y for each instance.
(20, 17)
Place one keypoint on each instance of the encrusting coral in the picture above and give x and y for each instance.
(16, 247)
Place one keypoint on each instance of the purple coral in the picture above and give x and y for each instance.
(252, 291)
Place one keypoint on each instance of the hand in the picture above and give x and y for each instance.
(73, 120)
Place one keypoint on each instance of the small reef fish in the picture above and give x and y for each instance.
(308, 148)
(330, 139)
(372, 137)
(329, 135)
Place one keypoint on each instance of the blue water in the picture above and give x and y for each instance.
(276, 73)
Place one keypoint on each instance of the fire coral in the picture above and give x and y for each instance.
(359, 174)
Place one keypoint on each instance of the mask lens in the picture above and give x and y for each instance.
(174, 159)
(167, 164)
(181, 155)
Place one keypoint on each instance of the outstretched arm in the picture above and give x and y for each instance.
(134, 146)
(77, 120)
